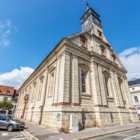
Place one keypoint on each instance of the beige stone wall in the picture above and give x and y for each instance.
(56, 87)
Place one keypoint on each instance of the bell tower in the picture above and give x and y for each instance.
(89, 16)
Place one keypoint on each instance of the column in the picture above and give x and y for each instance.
(125, 93)
(75, 82)
(112, 79)
(64, 80)
(128, 94)
(57, 77)
(44, 87)
(95, 85)
(102, 85)
(118, 90)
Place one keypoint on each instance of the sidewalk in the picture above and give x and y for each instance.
(44, 133)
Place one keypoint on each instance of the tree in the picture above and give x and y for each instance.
(5, 105)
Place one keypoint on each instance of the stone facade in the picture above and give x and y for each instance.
(82, 76)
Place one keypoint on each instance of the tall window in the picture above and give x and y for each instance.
(40, 89)
(33, 93)
(106, 84)
(83, 82)
(136, 99)
(51, 84)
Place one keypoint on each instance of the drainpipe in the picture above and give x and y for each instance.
(44, 97)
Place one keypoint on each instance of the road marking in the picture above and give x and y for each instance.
(131, 137)
(4, 134)
(60, 139)
(16, 138)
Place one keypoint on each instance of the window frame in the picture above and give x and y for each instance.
(114, 58)
(50, 93)
(100, 34)
(84, 68)
(102, 48)
(135, 99)
(83, 39)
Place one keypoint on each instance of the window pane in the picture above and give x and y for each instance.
(83, 43)
(136, 99)
(106, 84)
(83, 82)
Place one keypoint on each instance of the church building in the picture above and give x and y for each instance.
(81, 76)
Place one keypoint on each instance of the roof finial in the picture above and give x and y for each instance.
(87, 2)
(87, 5)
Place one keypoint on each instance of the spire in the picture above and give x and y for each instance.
(87, 5)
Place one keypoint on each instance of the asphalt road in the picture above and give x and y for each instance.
(14, 135)
(131, 135)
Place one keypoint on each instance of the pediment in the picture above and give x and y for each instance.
(51, 68)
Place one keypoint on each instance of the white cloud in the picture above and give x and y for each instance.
(5, 29)
(8, 22)
(16, 77)
(130, 59)
(8, 31)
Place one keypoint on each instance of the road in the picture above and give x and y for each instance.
(131, 135)
(15, 135)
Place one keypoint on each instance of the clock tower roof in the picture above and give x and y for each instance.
(89, 16)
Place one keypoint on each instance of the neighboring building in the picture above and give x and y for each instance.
(10, 94)
(134, 86)
(82, 75)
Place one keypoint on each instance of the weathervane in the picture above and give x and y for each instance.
(86, 1)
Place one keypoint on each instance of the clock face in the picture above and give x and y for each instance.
(86, 22)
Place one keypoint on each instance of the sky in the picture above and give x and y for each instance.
(30, 29)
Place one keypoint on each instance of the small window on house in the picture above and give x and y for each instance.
(0, 90)
(7, 92)
(83, 41)
(5, 98)
(100, 34)
(16, 94)
(102, 50)
(136, 99)
(83, 82)
(133, 88)
(114, 58)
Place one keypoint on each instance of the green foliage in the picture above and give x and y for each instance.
(6, 105)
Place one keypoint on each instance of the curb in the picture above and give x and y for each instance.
(103, 135)
(28, 136)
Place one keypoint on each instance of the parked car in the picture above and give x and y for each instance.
(11, 123)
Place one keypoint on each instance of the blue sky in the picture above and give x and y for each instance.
(30, 29)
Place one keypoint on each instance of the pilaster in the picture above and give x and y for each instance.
(102, 85)
(118, 90)
(112, 79)
(95, 85)
(75, 82)
(64, 81)
(57, 78)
